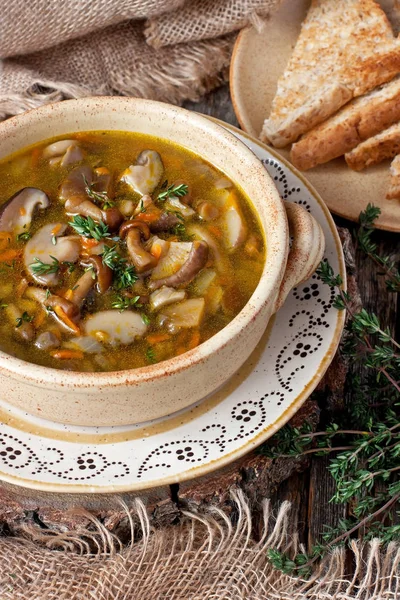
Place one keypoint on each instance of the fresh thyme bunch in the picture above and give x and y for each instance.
(365, 463)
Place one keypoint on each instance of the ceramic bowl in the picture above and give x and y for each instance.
(137, 395)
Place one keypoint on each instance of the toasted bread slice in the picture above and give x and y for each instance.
(394, 185)
(345, 49)
(374, 150)
(360, 119)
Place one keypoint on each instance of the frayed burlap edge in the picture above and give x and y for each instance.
(204, 557)
(201, 68)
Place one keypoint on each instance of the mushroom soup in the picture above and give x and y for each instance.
(119, 250)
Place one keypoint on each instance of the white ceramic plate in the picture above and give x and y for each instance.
(258, 61)
(260, 398)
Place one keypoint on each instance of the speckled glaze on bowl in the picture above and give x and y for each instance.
(132, 396)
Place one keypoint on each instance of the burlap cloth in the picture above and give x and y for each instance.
(168, 50)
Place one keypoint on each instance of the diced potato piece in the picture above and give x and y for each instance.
(175, 205)
(188, 313)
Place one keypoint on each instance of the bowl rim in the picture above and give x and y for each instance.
(265, 292)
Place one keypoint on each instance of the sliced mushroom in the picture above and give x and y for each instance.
(73, 193)
(103, 273)
(63, 153)
(86, 343)
(164, 222)
(47, 340)
(165, 296)
(16, 214)
(175, 204)
(52, 300)
(197, 259)
(177, 255)
(233, 224)
(24, 329)
(120, 328)
(146, 174)
(207, 211)
(134, 231)
(41, 246)
(82, 288)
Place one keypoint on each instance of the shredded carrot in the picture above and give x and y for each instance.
(156, 338)
(5, 235)
(8, 255)
(3, 244)
(156, 250)
(149, 217)
(61, 314)
(65, 354)
(215, 231)
(194, 340)
(231, 201)
(56, 229)
(88, 243)
(68, 294)
(22, 211)
(39, 319)
(101, 171)
(35, 157)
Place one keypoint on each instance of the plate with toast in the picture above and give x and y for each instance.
(320, 82)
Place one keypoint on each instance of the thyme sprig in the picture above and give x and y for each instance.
(174, 191)
(365, 460)
(98, 197)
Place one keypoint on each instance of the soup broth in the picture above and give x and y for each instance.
(119, 250)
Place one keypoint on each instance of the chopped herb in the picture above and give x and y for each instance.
(142, 208)
(145, 319)
(24, 236)
(125, 276)
(54, 240)
(24, 317)
(71, 266)
(174, 190)
(48, 294)
(74, 288)
(150, 355)
(40, 268)
(110, 257)
(90, 268)
(49, 309)
(87, 227)
(123, 302)
(98, 196)
(180, 231)
(3, 305)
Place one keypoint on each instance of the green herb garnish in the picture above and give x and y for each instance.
(24, 236)
(24, 317)
(125, 276)
(87, 227)
(142, 208)
(71, 266)
(174, 190)
(145, 319)
(40, 268)
(123, 302)
(110, 257)
(150, 355)
(101, 197)
(3, 305)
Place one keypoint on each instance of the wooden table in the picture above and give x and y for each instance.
(305, 482)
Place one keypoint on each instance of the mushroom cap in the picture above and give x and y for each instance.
(121, 328)
(41, 246)
(146, 174)
(16, 214)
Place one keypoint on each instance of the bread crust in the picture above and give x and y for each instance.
(357, 121)
(394, 185)
(375, 149)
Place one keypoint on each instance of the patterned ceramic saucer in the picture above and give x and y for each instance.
(290, 360)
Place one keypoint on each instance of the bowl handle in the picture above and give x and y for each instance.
(306, 252)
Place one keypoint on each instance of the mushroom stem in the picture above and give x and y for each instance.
(52, 301)
(103, 272)
(81, 289)
(133, 231)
